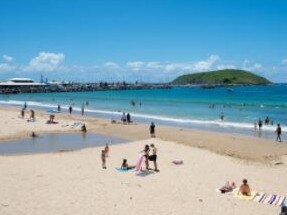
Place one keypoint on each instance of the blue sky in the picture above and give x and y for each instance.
(149, 40)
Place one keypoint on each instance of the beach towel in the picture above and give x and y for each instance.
(265, 198)
(139, 162)
(243, 197)
(123, 169)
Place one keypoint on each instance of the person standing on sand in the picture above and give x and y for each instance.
(25, 105)
(70, 109)
(278, 131)
(107, 150)
(103, 157)
(59, 108)
(83, 109)
(260, 124)
(152, 129)
(22, 113)
(146, 155)
(128, 118)
(153, 157)
(32, 115)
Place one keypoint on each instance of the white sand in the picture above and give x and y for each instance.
(75, 183)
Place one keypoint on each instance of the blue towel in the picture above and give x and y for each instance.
(122, 170)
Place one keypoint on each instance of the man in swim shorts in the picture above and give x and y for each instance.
(153, 157)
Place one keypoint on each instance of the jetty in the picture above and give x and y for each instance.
(25, 85)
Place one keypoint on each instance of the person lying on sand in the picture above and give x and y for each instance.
(125, 165)
(228, 187)
(244, 188)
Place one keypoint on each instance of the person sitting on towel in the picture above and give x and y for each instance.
(244, 188)
(125, 165)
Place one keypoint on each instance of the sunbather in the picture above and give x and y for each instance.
(244, 188)
(228, 187)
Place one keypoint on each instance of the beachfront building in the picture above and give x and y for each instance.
(21, 85)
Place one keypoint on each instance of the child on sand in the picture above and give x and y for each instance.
(125, 165)
(244, 188)
(103, 157)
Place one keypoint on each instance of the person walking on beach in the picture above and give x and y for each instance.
(124, 118)
(278, 131)
(152, 129)
(25, 105)
(153, 157)
(32, 115)
(59, 108)
(83, 109)
(70, 109)
(260, 124)
(128, 118)
(22, 113)
(107, 150)
(103, 157)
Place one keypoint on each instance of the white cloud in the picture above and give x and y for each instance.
(284, 61)
(230, 66)
(112, 65)
(46, 62)
(206, 64)
(247, 65)
(7, 59)
(136, 65)
(5, 67)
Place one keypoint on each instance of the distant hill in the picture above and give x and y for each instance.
(222, 77)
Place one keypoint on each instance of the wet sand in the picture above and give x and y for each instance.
(244, 147)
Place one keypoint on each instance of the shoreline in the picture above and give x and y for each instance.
(217, 126)
(239, 146)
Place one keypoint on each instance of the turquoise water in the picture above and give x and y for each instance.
(182, 106)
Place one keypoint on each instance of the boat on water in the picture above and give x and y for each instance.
(229, 90)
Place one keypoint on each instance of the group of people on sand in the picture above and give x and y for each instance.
(149, 154)
(267, 121)
(244, 189)
(126, 118)
(32, 114)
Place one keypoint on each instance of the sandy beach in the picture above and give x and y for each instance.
(75, 183)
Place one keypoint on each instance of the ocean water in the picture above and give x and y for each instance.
(181, 106)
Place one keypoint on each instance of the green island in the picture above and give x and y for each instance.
(222, 77)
